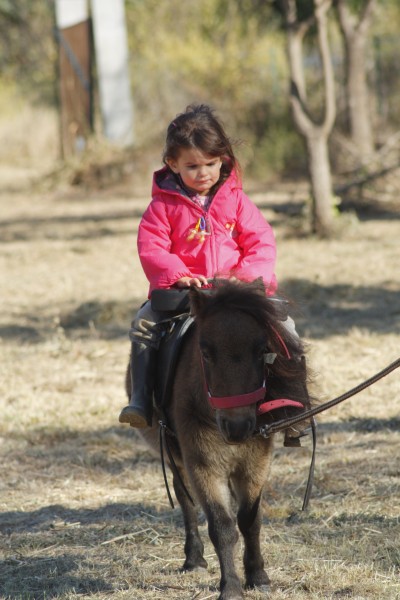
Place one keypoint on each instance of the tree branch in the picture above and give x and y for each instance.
(366, 16)
(321, 9)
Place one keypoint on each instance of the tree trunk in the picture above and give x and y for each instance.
(321, 184)
(357, 93)
(315, 133)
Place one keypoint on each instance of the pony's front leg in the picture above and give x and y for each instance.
(194, 548)
(224, 536)
(249, 521)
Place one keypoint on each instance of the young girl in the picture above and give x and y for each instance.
(199, 225)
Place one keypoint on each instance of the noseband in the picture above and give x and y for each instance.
(247, 399)
(222, 402)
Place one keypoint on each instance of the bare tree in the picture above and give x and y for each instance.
(315, 132)
(355, 35)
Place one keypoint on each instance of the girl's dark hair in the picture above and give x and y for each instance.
(199, 128)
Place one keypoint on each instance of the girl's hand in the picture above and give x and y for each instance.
(191, 281)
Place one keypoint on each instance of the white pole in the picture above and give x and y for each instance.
(71, 12)
(111, 49)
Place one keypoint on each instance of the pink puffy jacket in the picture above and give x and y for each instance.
(238, 241)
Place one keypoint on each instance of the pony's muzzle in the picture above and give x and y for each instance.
(235, 428)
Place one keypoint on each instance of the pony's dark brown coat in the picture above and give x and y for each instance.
(222, 461)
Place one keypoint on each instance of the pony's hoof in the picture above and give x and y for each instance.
(196, 569)
(261, 584)
(199, 566)
(265, 588)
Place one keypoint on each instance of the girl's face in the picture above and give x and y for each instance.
(199, 171)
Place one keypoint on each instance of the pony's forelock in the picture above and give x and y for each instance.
(250, 298)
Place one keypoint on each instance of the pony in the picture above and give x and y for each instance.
(237, 358)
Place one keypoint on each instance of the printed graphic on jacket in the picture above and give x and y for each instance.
(199, 231)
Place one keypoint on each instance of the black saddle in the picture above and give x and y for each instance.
(172, 330)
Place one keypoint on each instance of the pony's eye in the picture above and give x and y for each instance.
(205, 355)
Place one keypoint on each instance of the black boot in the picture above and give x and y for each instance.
(139, 411)
(293, 434)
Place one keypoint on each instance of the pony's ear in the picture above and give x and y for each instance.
(258, 285)
(197, 300)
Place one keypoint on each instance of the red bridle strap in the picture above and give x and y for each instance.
(238, 400)
(278, 403)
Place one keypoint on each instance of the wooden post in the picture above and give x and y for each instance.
(75, 87)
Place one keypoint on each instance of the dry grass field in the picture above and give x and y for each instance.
(83, 508)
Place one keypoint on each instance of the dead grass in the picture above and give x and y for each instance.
(83, 507)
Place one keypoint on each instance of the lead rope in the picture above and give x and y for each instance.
(267, 430)
(310, 480)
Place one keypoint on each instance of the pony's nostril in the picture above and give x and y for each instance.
(237, 431)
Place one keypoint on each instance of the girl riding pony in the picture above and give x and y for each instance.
(199, 225)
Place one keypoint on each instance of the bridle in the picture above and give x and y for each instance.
(238, 400)
(255, 397)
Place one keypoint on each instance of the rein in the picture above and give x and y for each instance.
(267, 430)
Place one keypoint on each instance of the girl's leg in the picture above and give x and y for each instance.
(144, 338)
(293, 434)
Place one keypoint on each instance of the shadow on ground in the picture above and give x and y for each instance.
(365, 210)
(55, 454)
(69, 227)
(319, 311)
(360, 425)
(47, 577)
(94, 319)
(70, 549)
(322, 311)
